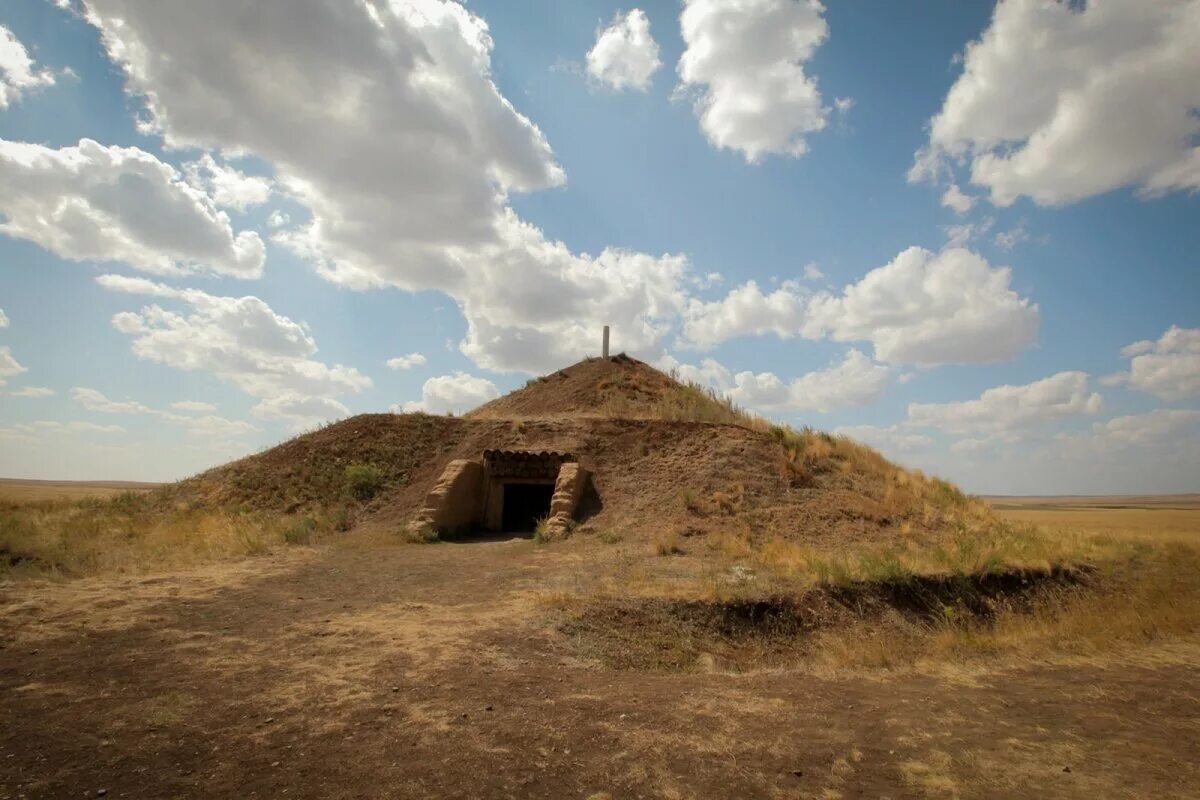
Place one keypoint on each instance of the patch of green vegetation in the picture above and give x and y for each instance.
(301, 532)
(364, 481)
(424, 535)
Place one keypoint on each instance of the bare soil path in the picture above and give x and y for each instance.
(436, 671)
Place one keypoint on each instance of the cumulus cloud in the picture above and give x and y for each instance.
(746, 311)
(1168, 368)
(922, 308)
(452, 394)
(241, 340)
(1005, 410)
(193, 407)
(208, 425)
(95, 203)
(299, 411)
(625, 55)
(406, 362)
(854, 381)
(1061, 101)
(3, 319)
(32, 391)
(889, 439)
(228, 186)
(951, 307)
(422, 208)
(93, 400)
(745, 61)
(17, 73)
(9, 366)
(956, 200)
(1161, 427)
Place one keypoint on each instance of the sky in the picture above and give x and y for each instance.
(964, 232)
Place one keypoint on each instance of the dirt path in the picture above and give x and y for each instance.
(433, 672)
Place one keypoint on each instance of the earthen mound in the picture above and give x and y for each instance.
(664, 458)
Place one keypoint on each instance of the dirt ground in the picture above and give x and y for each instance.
(369, 671)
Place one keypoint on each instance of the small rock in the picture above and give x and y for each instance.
(799, 773)
(1066, 769)
(489, 708)
(395, 688)
(101, 792)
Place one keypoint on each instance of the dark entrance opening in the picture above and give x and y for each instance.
(525, 504)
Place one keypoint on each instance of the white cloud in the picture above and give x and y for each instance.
(745, 60)
(207, 425)
(956, 200)
(964, 233)
(422, 208)
(228, 187)
(278, 219)
(625, 55)
(97, 203)
(3, 319)
(923, 308)
(239, 339)
(746, 311)
(16, 69)
(32, 391)
(193, 407)
(1005, 410)
(1007, 240)
(452, 394)
(1161, 427)
(93, 400)
(855, 381)
(890, 440)
(1168, 368)
(9, 367)
(406, 362)
(300, 412)
(812, 272)
(710, 373)
(34, 430)
(1061, 101)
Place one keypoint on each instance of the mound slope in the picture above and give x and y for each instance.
(665, 458)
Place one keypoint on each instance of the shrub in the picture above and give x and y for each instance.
(424, 535)
(541, 530)
(301, 531)
(364, 481)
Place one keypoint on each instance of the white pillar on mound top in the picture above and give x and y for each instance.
(605, 348)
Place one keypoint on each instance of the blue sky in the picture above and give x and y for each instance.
(919, 228)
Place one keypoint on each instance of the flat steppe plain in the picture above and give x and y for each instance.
(368, 669)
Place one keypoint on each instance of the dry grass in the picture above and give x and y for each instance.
(21, 491)
(1145, 523)
(1133, 590)
(132, 533)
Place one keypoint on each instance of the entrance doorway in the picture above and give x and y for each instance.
(524, 504)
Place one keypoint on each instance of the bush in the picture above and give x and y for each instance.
(364, 481)
(301, 532)
(426, 534)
